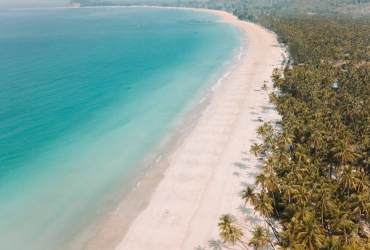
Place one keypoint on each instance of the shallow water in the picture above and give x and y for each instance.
(85, 94)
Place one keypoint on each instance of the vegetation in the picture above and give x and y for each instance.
(245, 9)
(315, 175)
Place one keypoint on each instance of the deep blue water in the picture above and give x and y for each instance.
(85, 94)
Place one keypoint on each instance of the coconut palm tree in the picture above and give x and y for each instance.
(360, 204)
(229, 231)
(324, 201)
(261, 180)
(260, 238)
(310, 234)
(256, 149)
(263, 204)
(248, 195)
(343, 152)
(332, 243)
(348, 179)
(287, 241)
(363, 182)
(301, 195)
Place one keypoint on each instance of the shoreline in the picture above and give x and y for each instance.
(118, 231)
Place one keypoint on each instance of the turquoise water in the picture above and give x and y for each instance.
(85, 95)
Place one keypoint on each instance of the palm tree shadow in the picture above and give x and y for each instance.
(267, 107)
(243, 184)
(240, 194)
(217, 245)
(240, 165)
(258, 166)
(255, 220)
(244, 210)
(199, 248)
(272, 235)
(252, 174)
(237, 174)
(246, 184)
(246, 159)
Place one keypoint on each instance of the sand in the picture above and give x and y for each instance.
(180, 208)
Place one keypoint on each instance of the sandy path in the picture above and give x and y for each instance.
(202, 181)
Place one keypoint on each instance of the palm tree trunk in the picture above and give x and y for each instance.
(322, 215)
(272, 228)
(359, 219)
(243, 244)
(273, 198)
(240, 246)
(271, 244)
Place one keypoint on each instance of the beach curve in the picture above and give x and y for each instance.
(197, 183)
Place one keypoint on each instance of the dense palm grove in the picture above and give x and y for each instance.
(315, 175)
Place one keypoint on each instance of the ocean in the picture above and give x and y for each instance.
(85, 96)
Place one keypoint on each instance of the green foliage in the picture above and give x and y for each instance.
(316, 175)
(247, 9)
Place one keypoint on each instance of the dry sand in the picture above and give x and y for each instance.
(209, 169)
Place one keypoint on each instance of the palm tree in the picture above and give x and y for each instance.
(363, 182)
(346, 230)
(332, 243)
(263, 204)
(281, 154)
(285, 138)
(256, 149)
(343, 152)
(315, 140)
(348, 179)
(300, 154)
(260, 238)
(287, 241)
(324, 202)
(360, 204)
(248, 195)
(287, 186)
(261, 181)
(269, 164)
(301, 195)
(272, 186)
(276, 75)
(310, 234)
(229, 231)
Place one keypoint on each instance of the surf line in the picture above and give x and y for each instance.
(202, 100)
(158, 158)
(138, 183)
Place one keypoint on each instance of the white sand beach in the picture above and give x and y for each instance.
(208, 170)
